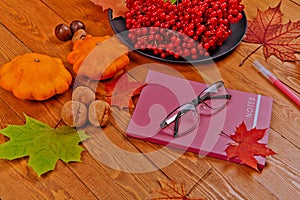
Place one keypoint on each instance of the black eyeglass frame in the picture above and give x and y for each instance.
(195, 102)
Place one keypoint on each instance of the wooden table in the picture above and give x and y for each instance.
(28, 26)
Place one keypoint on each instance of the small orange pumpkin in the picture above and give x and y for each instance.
(35, 76)
(98, 58)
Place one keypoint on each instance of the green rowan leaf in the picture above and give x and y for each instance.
(43, 144)
(172, 1)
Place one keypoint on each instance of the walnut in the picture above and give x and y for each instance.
(74, 113)
(99, 113)
(84, 95)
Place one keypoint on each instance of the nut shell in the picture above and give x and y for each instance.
(76, 25)
(79, 35)
(99, 113)
(74, 113)
(63, 32)
(84, 95)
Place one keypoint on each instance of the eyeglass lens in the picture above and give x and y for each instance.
(183, 119)
(213, 98)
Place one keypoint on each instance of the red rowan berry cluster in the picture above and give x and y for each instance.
(186, 28)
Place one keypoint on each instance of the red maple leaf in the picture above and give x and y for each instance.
(247, 145)
(280, 40)
(121, 91)
(171, 190)
(118, 6)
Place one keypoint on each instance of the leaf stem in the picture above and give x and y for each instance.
(59, 121)
(199, 181)
(225, 134)
(244, 60)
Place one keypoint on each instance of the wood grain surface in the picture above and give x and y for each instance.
(28, 26)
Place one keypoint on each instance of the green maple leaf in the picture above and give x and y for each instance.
(43, 144)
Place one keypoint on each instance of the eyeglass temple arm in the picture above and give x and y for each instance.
(224, 96)
(177, 121)
(176, 126)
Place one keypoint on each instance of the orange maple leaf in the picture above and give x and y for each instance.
(247, 146)
(280, 40)
(121, 91)
(118, 6)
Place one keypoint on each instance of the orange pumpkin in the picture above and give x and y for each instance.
(35, 76)
(98, 58)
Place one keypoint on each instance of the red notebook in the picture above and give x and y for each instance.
(163, 93)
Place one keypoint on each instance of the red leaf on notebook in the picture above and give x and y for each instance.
(247, 145)
(278, 39)
(122, 90)
(118, 6)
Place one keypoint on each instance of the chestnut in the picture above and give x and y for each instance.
(63, 32)
(76, 25)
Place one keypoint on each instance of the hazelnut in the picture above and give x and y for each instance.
(84, 95)
(99, 113)
(74, 113)
(79, 35)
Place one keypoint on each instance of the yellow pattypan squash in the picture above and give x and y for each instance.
(35, 76)
(98, 58)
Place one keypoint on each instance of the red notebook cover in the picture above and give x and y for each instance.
(163, 93)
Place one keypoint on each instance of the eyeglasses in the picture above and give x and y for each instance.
(184, 118)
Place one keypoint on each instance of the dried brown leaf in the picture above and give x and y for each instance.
(118, 6)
